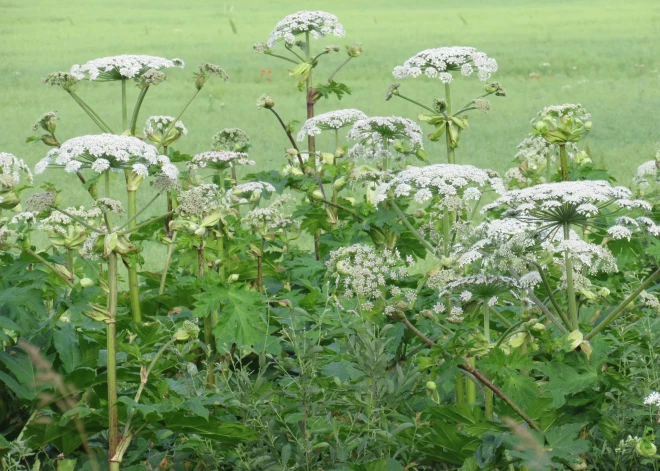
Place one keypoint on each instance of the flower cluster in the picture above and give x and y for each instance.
(46, 122)
(439, 62)
(200, 200)
(361, 270)
(219, 160)
(62, 79)
(316, 23)
(108, 205)
(63, 231)
(332, 120)
(107, 151)
(560, 124)
(271, 222)
(570, 202)
(452, 186)
(251, 191)
(11, 169)
(231, 139)
(122, 67)
(646, 174)
(160, 124)
(376, 135)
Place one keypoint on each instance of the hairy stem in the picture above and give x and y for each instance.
(332, 75)
(124, 108)
(488, 394)
(133, 282)
(168, 260)
(451, 158)
(548, 288)
(173, 123)
(291, 139)
(563, 161)
(113, 418)
(208, 320)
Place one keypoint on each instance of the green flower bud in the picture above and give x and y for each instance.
(9, 199)
(49, 140)
(340, 183)
(339, 153)
(645, 448)
(328, 159)
(189, 330)
(317, 195)
(431, 386)
(354, 49)
(440, 105)
(86, 282)
(233, 278)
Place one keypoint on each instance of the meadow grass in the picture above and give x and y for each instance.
(601, 53)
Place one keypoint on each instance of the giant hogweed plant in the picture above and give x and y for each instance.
(422, 329)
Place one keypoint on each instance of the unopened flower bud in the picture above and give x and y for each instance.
(50, 140)
(317, 195)
(265, 101)
(354, 49)
(233, 278)
(86, 282)
(440, 105)
(431, 386)
(340, 183)
(339, 153)
(328, 159)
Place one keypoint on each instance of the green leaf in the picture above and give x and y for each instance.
(222, 432)
(333, 87)
(195, 406)
(66, 344)
(24, 380)
(240, 313)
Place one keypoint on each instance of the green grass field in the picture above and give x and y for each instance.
(601, 53)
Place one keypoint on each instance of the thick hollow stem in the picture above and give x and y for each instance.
(113, 418)
(91, 113)
(488, 394)
(124, 108)
(563, 161)
(548, 289)
(133, 282)
(168, 260)
(570, 288)
(471, 390)
(260, 269)
(459, 390)
(451, 157)
(208, 320)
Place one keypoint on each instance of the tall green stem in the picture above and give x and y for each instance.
(168, 260)
(563, 160)
(124, 108)
(136, 109)
(548, 169)
(412, 230)
(451, 158)
(183, 110)
(208, 320)
(570, 288)
(133, 282)
(488, 394)
(260, 269)
(113, 418)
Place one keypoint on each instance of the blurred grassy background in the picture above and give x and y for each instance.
(601, 53)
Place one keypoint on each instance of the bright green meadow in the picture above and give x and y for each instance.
(603, 54)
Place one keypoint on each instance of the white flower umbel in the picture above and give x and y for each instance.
(362, 271)
(449, 186)
(219, 160)
(566, 203)
(587, 258)
(107, 151)
(201, 200)
(332, 120)
(63, 231)
(560, 124)
(159, 124)
(537, 151)
(378, 137)
(646, 176)
(11, 169)
(122, 67)
(231, 139)
(440, 62)
(486, 289)
(653, 399)
(251, 191)
(318, 24)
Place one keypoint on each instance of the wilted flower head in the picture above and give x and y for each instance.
(377, 135)
(207, 70)
(62, 79)
(63, 231)
(46, 122)
(318, 24)
(108, 205)
(363, 271)
(107, 151)
(560, 124)
(157, 125)
(332, 120)
(265, 101)
(39, 202)
(450, 186)
(150, 78)
(11, 169)
(231, 139)
(392, 90)
(261, 48)
(439, 62)
(219, 160)
(122, 67)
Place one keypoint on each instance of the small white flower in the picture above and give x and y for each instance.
(316, 23)
(122, 67)
(439, 62)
